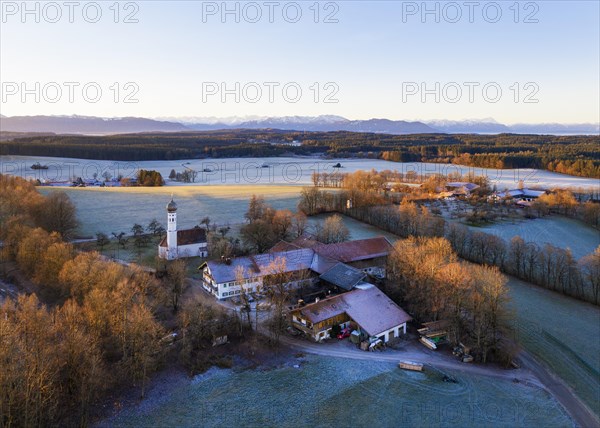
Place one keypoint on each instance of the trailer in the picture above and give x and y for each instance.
(428, 343)
(410, 365)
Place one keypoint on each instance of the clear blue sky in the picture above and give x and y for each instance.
(370, 54)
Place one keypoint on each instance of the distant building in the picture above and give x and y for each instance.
(522, 197)
(458, 188)
(181, 243)
(366, 308)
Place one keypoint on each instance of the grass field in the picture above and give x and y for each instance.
(117, 209)
(322, 392)
(282, 170)
(561, 232)
(562, 332)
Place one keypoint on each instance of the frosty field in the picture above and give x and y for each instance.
(117, 209)
(281, 170)
(561, 232)
(325, 391)
(562, 332)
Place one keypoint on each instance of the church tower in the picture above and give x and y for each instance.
(171, 230)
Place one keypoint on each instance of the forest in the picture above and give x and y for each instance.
(83, 326)
(573, 155)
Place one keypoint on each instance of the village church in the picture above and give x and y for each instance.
(181, 243)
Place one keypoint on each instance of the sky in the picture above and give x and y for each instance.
(515, 62)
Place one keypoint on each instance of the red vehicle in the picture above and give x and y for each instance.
(344, 334)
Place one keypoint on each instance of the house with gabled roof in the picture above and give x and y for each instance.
(369, 255)
(342, 265)
(365, 308)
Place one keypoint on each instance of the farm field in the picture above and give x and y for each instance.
(353, 394)
(281, 170)
(561, 232)
(117, 209)
(563, 333)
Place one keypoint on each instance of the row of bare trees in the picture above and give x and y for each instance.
(430, 281)
(548, 266)
(20, 201)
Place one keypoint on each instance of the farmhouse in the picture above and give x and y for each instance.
(342, 265)
(458, 189)
(230, 277)
(181, 243)
(523, 197)
(368, 255)
(365, 308)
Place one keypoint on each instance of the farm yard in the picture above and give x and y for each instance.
(352, 395)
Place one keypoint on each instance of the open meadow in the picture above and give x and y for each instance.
(326, 391)
(562, 332)
(274, 170)
(117, 209)
(561, 232)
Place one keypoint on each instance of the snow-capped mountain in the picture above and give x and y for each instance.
(98, 125)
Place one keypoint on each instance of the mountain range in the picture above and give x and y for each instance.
(91, 125)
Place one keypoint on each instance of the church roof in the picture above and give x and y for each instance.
(187, 237)
(172, 206)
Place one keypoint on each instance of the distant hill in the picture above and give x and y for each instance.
(86, 125)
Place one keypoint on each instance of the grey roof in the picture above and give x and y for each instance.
(259, 265)
(321, 264)
(521, 192)
(368, 306)
(343, 276)
(317, 257)
(464, 184)
(373, 310)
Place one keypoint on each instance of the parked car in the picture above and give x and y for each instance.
(293, 331)
(344, 334)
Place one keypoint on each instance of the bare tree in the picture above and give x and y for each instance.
(176, 274)
(333, 230)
